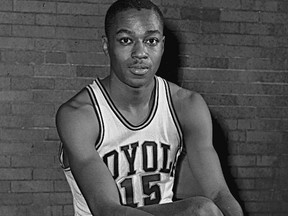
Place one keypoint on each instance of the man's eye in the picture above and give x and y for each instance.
(125, 41)
(152, 41)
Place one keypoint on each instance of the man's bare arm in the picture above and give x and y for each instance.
(203, 160)
(78, 130)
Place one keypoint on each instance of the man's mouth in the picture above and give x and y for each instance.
(139, 69)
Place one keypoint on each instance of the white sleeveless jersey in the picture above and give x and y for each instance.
(141, 158)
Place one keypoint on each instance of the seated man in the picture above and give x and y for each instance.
(122, 135)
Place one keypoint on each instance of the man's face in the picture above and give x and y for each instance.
(135, 45)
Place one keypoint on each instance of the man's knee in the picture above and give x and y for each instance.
(205, 207)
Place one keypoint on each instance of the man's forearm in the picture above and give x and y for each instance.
(228, 205)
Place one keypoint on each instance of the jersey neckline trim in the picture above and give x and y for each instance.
(121, 117)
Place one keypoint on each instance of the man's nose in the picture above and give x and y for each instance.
(139, 50)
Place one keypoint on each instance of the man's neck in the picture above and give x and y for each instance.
(133, 103)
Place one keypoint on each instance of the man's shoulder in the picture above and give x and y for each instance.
(189, 105)
(79, 106)
(184, 97)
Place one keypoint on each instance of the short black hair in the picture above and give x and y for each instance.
(123, 5)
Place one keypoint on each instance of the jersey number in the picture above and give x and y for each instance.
(147, 190)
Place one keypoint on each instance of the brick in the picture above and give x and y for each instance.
(68, 45)
(233, 112)
(15, 96)
(222, 4)
(71, 84)
(283, 161)
(33, 109)
(52, 96)
(42, 121)
(16, 43)
(182, 3)
(68, 210)
(61, 198)
(274, 18)
(51, 210)
(82, 21)
(15, 174)
(12, 210)
(15, 148)
(282, 6)
(191, 13)
(220, 27)
(16, 18)
(231, 124)
(4, 186)
(242, 160)
(265, 160)
(6, 5)
(56, 57)
(260, 148)
(260, 136)
(245, 184)
(46, 19)
(259, 101)
(25, 57)
(49, 174)
(87, 59)
(32, 83)
(42, 161)
(237, 136)
(4, 161)
(46, 147)
(183, 25)
(200, 14)
(55, 71)
(271, 125)
(245, 124)
(35, 6)
(239, 16)
(21, 134)
(255, 172)
(12, 121)
(77, 33)
(16, 199)
(5, 30)
(256, 195)
(223, 100)
(263, 184)
(259, 5)
(242, 40)
(91, 71)
(214, 62)
(15, 70)
(171, 13)
(81, 8)
(103, 9)
(33, 31)
(31, 186)
(256, 28)
(52, 135)
(61, 186)
(4, 83)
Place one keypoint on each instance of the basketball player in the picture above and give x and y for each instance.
(122, 135)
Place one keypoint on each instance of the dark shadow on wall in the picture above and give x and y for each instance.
(220, 142)
(170, 63)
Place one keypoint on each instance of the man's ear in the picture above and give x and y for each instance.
(105, 45)
(163, 44)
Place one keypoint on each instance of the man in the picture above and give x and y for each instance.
(122, 135)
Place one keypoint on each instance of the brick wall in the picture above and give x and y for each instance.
(234, 52)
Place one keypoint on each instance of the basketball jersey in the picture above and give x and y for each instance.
(141, 158)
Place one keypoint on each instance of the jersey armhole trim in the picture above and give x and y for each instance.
(99, 116)
(173, 112)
